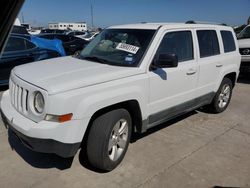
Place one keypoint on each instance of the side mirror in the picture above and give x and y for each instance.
(165, 61)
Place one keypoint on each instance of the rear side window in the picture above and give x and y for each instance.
(208, 43)
(228, 41)
(179, 43)
(15, 44)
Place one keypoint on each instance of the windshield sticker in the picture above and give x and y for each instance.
(127, 47)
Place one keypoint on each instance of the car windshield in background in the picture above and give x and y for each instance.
(122, 47)
(245, 33)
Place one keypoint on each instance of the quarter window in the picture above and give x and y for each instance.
(208, 43)
(179, 43)
(15, 44)
(228, 41)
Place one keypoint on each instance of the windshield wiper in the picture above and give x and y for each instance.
(96, 59)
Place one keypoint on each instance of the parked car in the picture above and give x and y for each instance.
(80, 34)
(58, 31)
(20, 50)
(128, 79)
(72, 45)
(244, 45)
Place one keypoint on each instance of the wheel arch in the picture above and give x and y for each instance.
(232, 76)
(132, 106)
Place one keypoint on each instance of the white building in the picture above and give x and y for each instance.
(78, 26)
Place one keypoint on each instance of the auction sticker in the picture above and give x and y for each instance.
(127, 47)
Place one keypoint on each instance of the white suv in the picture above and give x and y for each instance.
(128, 79)
(244, 45)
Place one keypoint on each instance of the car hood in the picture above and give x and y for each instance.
(244, 43)
(67, 73)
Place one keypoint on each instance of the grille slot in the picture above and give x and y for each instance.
(19, 97)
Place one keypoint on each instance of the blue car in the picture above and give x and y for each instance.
(21, 49)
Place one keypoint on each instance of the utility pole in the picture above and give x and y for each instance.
(23, 18)
(92, 15)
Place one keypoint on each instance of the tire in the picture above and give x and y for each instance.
(222, 97)
(108, 139)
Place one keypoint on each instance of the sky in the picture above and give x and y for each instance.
(113, 12)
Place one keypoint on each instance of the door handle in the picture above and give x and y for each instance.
(219, 65)
(191, 72)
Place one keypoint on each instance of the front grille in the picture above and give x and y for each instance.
(245, 51)
(19, 97)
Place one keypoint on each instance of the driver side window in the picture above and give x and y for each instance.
(179, 43)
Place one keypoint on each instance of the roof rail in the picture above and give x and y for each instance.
(199, 22)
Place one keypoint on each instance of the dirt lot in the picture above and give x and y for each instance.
(195, 150)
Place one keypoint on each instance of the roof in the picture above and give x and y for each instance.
(172, 25)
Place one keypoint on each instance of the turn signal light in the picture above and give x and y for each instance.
(59, 118)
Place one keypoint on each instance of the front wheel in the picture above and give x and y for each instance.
(223, 96)
(108, 139)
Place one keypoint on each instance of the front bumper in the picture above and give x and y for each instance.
(63, 139)
(43, 145)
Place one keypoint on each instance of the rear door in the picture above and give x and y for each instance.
(210, 60)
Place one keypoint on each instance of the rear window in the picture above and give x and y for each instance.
(208, 43)
(228, 41)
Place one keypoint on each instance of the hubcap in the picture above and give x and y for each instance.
(118, 139)
(224, 96)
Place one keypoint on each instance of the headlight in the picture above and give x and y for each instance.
(38, 102)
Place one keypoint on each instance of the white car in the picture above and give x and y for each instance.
(244, 45)
(128, 79)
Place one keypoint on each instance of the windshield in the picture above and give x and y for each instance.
(122, 47)
(245, 33)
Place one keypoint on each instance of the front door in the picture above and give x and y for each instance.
(173, 87)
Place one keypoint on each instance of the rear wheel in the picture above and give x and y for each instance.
(108, 139)
(223, 96)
